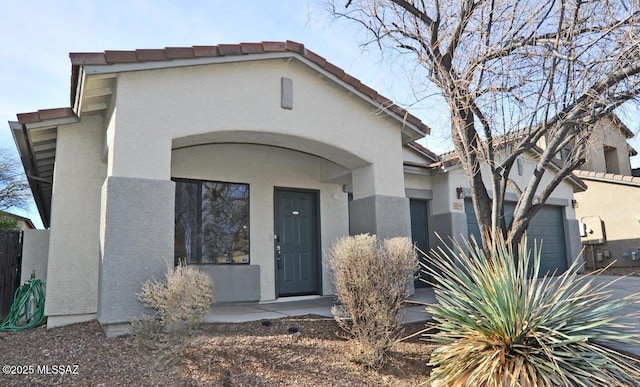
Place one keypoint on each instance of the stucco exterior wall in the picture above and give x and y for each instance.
(215, 122)
(448, 217)
(265, 168)
(35, 254)
(619, 209)
(417, 181)
(607, 134)
(245, 96)
(72, 272)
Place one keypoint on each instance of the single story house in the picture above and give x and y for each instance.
(248, 160)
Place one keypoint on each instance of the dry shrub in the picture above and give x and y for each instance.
(371, 284)
(180, 302)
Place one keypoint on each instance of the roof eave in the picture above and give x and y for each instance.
(17, 130)
(88, 64)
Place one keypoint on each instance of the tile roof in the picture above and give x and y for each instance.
(607, 177)
(44, 115)
(424, 151)
(195, 52)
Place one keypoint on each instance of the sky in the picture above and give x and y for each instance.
(36, 37)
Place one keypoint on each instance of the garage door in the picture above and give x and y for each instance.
(547, 226)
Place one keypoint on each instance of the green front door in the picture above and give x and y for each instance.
(296, 242)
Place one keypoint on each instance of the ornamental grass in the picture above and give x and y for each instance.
(498, 323)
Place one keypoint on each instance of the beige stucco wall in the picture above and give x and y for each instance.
(564, 191)
(189, 122)
(411, 155)
(619, 209)
(245, 96)
(606, 133)
(448, 211)
(35, 254)
(264, 168)
(417, 181)
(72, 272)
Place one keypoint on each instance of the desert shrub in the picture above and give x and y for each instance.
(180, 302)
(371, 284)
(500, 325)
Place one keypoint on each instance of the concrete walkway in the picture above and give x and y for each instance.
(415, 311)
(300, 306)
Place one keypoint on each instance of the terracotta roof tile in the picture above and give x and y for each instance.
(317, 59)
(294, 47)
(335, 70)
(169, 53)
(608, 177)
(251, 48)
(366, 90)
(230, 49)
(91, 58)
(206, 51)
(27, 118)
(43, 115)
(150, 55)
(274, 46)
(179, 52)
(50, 114)
(425, 151)
(120, 56)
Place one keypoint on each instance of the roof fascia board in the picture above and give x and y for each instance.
(413, 170)
(52, 123)
(77, 104)
(376, 104)
(155, 65)
(88, 70)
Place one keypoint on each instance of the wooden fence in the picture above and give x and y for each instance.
(10, 263)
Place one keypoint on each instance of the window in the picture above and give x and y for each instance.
(211, 222)
(611, 160)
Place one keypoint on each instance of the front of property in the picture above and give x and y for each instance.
(247, 160)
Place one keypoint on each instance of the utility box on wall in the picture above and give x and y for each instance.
(592, 230)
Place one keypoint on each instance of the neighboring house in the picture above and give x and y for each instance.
(443, 187)
(609, 208)
(247, 160)
(23, 223)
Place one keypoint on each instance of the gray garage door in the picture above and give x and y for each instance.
(547, 227)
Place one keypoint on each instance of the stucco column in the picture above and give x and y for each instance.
(448, 217)
(379, 204)
(572, 241)
(136, 244)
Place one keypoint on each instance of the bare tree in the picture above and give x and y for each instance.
(514, 74)
(14, 190)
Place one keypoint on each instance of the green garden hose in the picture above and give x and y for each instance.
(27, 310)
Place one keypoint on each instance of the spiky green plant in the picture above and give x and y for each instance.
(498, 324)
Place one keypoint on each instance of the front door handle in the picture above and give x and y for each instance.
(278, 260)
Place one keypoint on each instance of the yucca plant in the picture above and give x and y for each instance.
(498, 324)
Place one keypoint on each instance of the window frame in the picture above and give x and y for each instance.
(199, 222)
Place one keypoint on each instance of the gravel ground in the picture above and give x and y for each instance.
(247, 354)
